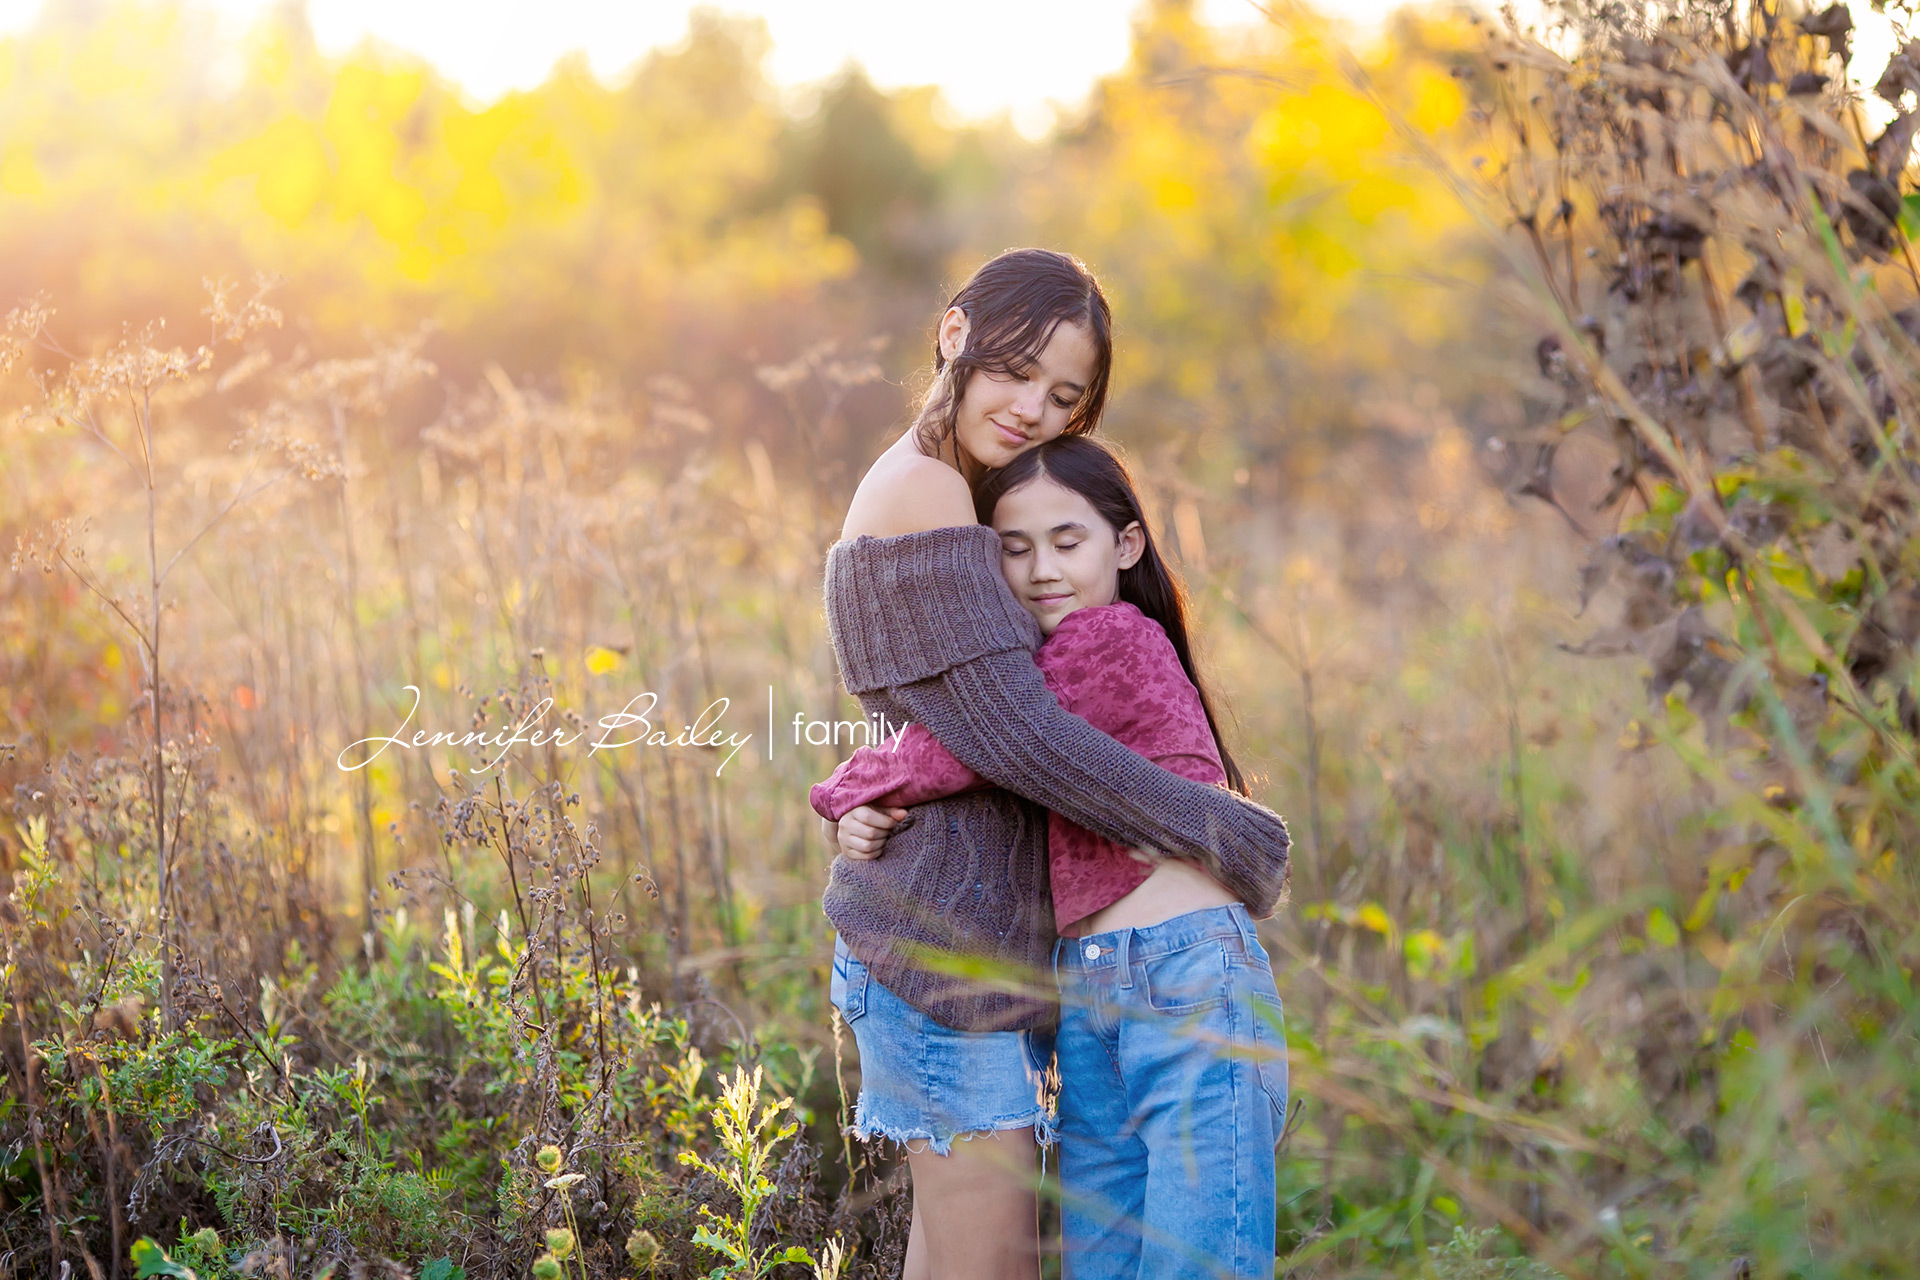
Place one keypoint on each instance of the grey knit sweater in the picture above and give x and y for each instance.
(955, 916)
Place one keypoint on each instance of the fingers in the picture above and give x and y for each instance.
(863, 831)
(880, 819)
(861, 840)
(830, 832)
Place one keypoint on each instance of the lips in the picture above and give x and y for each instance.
(1008, 434)
(1053, 599)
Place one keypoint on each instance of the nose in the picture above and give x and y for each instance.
(1041, 567)
(1030, 403)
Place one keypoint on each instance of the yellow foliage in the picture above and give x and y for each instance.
(1326, 127)
(1172, 193)
(19, 172)
(1373, 917)
(290, 164)
(1437, 101)
(1219, 207)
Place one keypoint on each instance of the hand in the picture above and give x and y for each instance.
(830, 832)
(863, 832)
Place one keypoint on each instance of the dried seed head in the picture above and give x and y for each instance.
(548, 1158)
(642, 1247)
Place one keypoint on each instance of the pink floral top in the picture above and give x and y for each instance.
(1112, 666)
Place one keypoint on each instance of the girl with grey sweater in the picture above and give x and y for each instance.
(941, 967)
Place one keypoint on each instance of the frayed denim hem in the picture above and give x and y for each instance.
(1041, 1121)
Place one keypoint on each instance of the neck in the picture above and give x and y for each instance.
(971, 469)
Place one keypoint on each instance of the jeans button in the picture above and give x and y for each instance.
(1093, 951)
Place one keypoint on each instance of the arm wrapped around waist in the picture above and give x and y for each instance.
(997, 716)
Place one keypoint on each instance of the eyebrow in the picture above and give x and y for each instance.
(1071, 526)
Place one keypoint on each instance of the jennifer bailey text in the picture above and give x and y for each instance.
(640, 731)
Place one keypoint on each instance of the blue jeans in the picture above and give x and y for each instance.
(1173, 1093)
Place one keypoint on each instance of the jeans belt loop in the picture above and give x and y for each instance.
(1243, 920)
(1122, 961)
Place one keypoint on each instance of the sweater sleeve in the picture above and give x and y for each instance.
(996, 715)
(914, 770)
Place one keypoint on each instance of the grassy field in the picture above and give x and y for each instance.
(1532, 415)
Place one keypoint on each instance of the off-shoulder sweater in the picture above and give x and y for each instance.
(1109, 664)
(956, 917)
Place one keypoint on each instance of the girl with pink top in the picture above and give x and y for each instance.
(1171, 1049)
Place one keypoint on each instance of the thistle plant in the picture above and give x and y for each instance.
(562, 1242)
(749, 1130)
(644, 1249)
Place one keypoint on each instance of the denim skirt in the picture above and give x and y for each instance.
(925, 1083)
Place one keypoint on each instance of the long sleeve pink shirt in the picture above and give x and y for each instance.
(1112, 666)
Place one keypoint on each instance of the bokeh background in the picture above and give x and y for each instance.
(567, 377)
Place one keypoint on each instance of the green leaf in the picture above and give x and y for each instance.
(1424, 949)
(1910, 214)
(1661, 930)
(442, 1269)
(704, 1235)
(149, 1259)
(1828, 238)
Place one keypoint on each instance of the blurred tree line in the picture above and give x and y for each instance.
(1243, 207)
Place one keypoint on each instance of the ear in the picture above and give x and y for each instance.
(1133, 545)
(953, 333)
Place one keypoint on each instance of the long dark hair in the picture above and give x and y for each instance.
(1013, 304)
(1092, 470)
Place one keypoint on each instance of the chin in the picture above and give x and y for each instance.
(996, 456)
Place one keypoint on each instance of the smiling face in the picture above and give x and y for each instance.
(1003, 415)
(1058, 553)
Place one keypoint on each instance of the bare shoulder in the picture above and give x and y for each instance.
(905, 491)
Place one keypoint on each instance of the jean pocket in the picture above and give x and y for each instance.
(1192, 980)
(847, 989)
(1270, 1051)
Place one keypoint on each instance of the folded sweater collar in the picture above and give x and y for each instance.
(907, 607)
